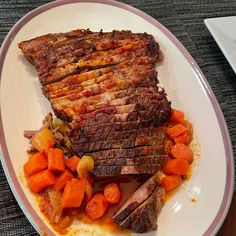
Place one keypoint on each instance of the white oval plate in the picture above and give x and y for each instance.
(23, 107)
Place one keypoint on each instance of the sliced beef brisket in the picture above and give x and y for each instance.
(105, 86)
(139, 213)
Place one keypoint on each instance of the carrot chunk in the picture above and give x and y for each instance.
(182, 151)
(189, 127)
(187, 136)
(176, 130)
(56, 160)
(184, 138)
(171, 182)
(177, 116)
(112, 193)
(73, 193)
(97, 206)
(35, 164)
(62, 180)
(41, 180)
(176, 167)
(72, 163)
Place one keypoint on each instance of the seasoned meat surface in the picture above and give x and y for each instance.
(139, 213)
(104, 84)
(139, 196)
(144, 217)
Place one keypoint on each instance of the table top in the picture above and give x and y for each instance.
(185, 20)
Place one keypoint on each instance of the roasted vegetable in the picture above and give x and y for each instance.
(176, 130)
(62, 180)
(97, 206)
(73, 193)
(112, 193)
(56, 160)
(55, 200)
(177, 116)
(43, 140)
(181, 151)
(72, 163)
(176, 167)
(84, 167)
(171, 182)
(35, 164)
(41, 180)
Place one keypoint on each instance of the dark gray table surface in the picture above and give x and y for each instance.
(185, 20)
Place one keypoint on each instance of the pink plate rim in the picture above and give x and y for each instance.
(23, 202)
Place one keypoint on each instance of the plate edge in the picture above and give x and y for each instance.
(228, 193)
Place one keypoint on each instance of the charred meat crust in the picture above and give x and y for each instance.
(139, 196)
(104, 84)
(144, 217)
(139, 213)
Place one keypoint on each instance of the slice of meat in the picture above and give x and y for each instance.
(88, 147)
(100, 135)
(111, 92)
(101, 80)
(128, 153)
(99, 75)
(105, 86)
(108, 171)
(139, 196)
(144, 217)
(52, 47)
(108, 134)
(74, 49)
(59, 55)
(139, 213)
(126, 161)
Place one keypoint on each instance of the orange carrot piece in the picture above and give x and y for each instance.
(171, 182)
(72, 163)
(187, 136)
(177, 116)
(56, 160)
(97, 206)
(41, 180)
(182, 151)
(112, 193)
(184, 138)
(176, 167)
(73, 193)
(189, 127)
(35, 164)
(176, 130)
(62, 180)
